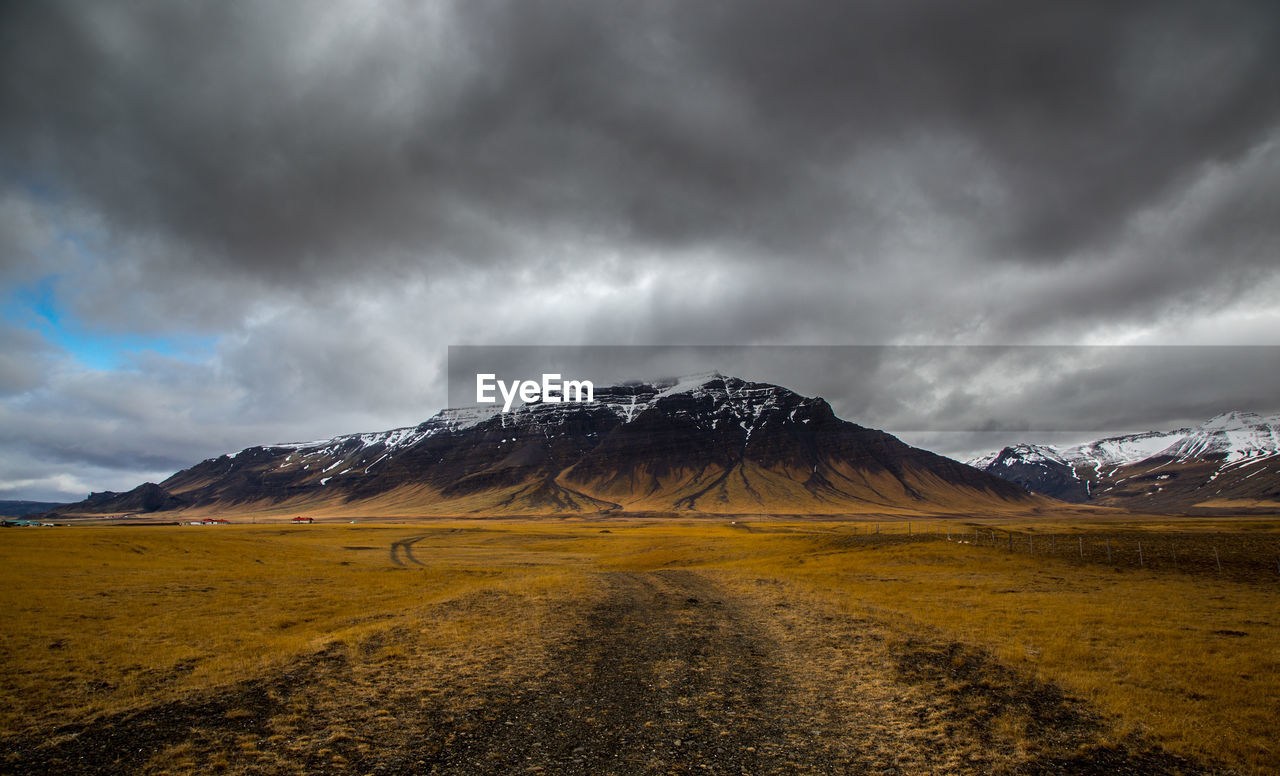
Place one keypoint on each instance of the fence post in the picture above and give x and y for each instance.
(1174, 549)
(1216, 559)
(908, 528)
(1141, 564)
(1081, 540)
(1109, 552)
(1031, 544)
(1011, 541)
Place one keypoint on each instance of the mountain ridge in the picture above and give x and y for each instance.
(1231, 459)
(706, 444)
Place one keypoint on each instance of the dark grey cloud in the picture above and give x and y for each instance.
(333, 193)
(284, 140)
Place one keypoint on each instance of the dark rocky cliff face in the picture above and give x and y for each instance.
(147, 497)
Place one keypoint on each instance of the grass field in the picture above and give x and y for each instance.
(288, 649)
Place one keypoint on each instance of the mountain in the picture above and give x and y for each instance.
(1230, 460)
(20, 508)
(147, 497)
(711, 444)
(1038, 468)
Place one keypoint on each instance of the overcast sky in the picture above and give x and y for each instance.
(232, 223)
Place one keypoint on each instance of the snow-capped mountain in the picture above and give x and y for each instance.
(1038, 468)
(1025, 453)
(709, 443)
(1232, 459)
(1237, 436)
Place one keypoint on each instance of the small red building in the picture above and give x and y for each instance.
(301, 519)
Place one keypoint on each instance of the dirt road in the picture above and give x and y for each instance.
(666, 672)
(661, 675)
(671, 674)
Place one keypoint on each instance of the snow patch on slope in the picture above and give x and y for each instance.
(1237, 439)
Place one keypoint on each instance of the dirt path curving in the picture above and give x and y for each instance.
(402, 551)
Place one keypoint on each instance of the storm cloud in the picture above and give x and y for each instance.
(228, 223)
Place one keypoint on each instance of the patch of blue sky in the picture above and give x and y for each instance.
(38, 307)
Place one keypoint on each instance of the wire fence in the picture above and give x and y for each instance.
(1239, 555)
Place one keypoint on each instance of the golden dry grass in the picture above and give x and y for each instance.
(99, 619)
(104, 619)
(1194, 662)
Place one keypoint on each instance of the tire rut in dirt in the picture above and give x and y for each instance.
(662, 677)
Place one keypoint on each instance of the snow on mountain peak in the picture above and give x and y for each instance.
(686, 382)
(1020, 453)
(731, 400)
(983, 461)
(1032, 453)
(1123, 450)
(1235, 436)
(1231, 420)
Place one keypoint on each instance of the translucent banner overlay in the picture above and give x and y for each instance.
(1035, 390)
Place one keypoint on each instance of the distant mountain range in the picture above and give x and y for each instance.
(710, 444)
(20, 508)
(1229, 461)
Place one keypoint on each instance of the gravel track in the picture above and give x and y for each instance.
(661, 678)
